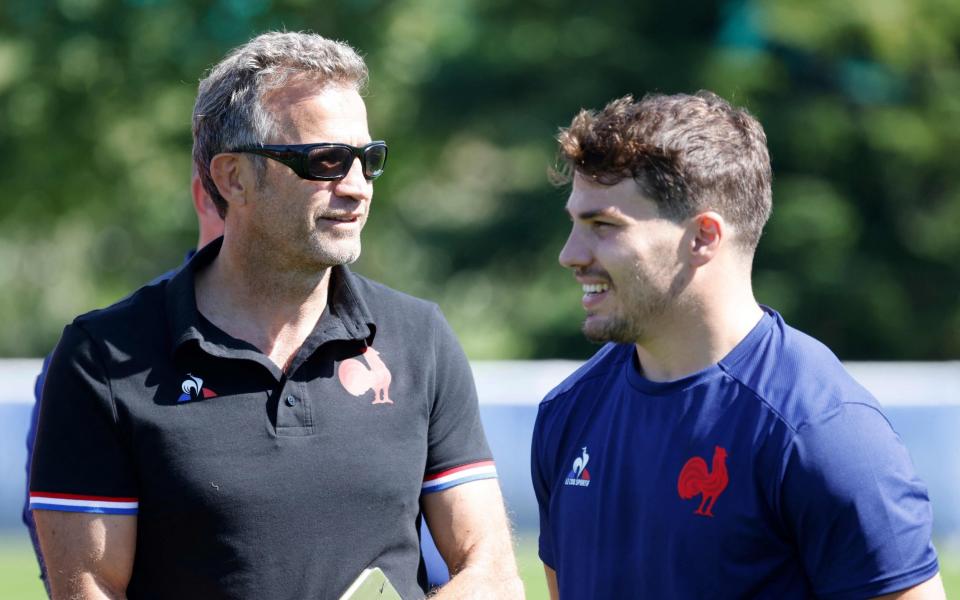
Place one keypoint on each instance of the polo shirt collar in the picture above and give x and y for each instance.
(346, 316)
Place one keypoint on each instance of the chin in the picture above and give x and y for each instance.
(336, 259)
(615, 330)
(334, 254)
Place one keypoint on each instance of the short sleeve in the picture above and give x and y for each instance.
(457, 450)
(860, 514)
(27, 515)
(541, 488)
(80, 460)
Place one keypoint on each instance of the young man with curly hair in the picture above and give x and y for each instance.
(708, 450)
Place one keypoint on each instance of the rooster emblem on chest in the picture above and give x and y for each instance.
(359, 378)
(696, 479)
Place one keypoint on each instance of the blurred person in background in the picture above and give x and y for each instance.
(266, 423)
(708, 449)
(211, 227)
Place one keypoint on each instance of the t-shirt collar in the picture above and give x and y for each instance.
(345, 318)
(747, 346)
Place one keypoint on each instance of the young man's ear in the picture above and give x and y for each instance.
(227, 171)
(709, 230)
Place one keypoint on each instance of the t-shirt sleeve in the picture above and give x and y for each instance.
(80, 459)
(27, 515)
(861, 516)
(541, 488)
(457, 450)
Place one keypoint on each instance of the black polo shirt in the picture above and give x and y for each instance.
(249, 482)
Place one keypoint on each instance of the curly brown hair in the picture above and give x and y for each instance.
(687, 153)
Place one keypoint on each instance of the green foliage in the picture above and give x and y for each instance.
(861, 103)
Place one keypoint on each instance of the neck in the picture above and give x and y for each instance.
(698, 334)
(260, 302)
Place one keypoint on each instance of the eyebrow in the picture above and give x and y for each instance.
(593, 214)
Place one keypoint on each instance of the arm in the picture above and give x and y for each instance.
(931, 589)
(552, 583)
(83, 490)
(87, 555)
(460, 496)
(31, 437)
(469, 525)
(541, 489)
(860, 516)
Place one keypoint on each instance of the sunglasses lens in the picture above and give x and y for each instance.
(330, 162)
(374, 159)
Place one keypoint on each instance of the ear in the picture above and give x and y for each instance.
(202, 203)
(211, 224)
(228, 173)
(709, 230)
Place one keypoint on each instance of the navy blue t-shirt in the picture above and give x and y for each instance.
(770, 474)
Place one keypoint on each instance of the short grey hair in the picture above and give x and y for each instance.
(229, 111)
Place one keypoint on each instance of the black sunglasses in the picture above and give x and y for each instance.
(324, 161)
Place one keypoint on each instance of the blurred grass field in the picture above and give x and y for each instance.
(19, 581)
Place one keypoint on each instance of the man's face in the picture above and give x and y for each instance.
(628, 259)
(313, 224)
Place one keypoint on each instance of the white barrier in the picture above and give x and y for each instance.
(922, 401)
(520, 382)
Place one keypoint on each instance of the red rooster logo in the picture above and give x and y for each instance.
(695, 479)
(358, 379)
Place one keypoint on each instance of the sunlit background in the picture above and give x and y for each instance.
(860, 101)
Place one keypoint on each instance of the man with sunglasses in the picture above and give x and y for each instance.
(267, 423)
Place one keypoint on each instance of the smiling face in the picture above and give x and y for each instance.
(628, 259)
(312, 224)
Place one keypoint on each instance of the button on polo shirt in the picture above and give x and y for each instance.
(251, 481)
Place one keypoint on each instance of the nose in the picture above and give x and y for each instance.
(355, 185)
(574, 254)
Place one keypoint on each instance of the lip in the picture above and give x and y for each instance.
(592, 301)
(591, 280)
(343, 219)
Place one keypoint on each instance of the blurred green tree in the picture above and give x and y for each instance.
(861, 104)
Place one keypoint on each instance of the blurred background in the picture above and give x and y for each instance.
(860, 101)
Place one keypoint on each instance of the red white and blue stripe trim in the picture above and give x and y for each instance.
(458, 475)
(105, 505)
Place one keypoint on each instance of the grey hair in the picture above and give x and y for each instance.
(229, 111)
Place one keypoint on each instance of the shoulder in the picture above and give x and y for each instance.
(609, 360)
(571, 402)
(383, 300)
(797, 376)
(128, 320)
(147, 299)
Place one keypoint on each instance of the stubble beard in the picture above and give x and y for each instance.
(318, 249)
(646, 303)
(626, 327)
(334, 248)
(332, 253)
